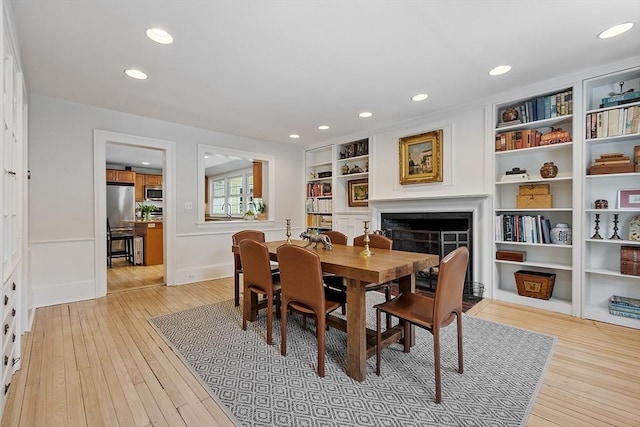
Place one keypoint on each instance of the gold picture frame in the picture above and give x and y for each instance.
(358, 192)
(421, 158)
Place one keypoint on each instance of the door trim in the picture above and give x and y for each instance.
(100, 140)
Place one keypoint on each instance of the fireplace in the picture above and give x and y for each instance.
(436, 233)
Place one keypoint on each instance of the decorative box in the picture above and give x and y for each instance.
(527, 190)
(517, 256)
(605, 169)
(535, 284)
(534, 201)
(630, 260)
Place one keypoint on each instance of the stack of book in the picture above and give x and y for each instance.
(614, 122)
(611, 163)
(543, 107)
(624, 306)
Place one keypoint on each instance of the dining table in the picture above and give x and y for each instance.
(381, 266)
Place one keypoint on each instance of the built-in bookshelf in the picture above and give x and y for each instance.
(528, 133)
(611, 117)
(352, 168)
(319, 188)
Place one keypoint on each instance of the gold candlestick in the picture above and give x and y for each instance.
(367, 252)
(288, 231)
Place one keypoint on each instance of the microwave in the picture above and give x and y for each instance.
(152, 193)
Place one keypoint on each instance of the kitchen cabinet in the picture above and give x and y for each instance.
(114, 175)
(153, 180)
(257, 180)
(152, 237)
(140, 179)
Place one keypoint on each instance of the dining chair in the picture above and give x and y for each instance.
(258, 279)
(336, 285)
(431, 313)
(303, 291)
(256, 235)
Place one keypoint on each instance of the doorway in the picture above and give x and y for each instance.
(110, 149)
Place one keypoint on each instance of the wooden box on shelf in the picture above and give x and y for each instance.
(535, 284)
(534, 196)
(517, 256)
(630, 260)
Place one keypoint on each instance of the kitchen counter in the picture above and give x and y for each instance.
(151, 232)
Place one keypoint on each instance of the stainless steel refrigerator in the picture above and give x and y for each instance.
(120, 208)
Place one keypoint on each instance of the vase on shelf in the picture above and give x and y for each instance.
(548, 170)
(561, 234)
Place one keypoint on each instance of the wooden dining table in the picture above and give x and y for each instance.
(381, 267)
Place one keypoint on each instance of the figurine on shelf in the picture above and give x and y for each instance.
(355, 169)
(345, 169)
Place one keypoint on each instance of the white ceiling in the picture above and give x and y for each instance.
(265, 69)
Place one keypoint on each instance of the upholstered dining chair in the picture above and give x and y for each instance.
(336, 237)
(256, 235)
(258, 279)
(431, 313)
(303, 291)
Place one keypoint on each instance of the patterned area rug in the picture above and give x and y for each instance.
(503, 369)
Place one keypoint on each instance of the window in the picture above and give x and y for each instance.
(227, 176)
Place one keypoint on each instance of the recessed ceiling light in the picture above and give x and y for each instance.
(294, 136)
(500, 69)
(323, 127)
(159, 35)
(419, 97)
(146, 163)
(135, 74)
(365, 114)
(616, 30)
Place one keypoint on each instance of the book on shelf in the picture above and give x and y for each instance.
(624, 98)
(543, 107)
(614, 122)
(618, 312)
(626, 301)
(636, 157)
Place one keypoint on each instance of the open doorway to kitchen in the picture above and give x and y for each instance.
(124, 185)
(135, 207)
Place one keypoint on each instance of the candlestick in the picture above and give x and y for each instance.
(367, 252)
(615, 228)
(597, 235)
(288, 231)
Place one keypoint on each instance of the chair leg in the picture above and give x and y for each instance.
(436, 363)
(387, 295)
(283, 328)
(378, 341)
(460, 360)
(236, 287)
(269, 317)
(245, 311)
(407, 336)
(320, 333)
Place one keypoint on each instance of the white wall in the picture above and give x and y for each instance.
(61, 199)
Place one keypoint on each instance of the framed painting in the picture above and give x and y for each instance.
(629, 199)
(421, 158)
(358, 192)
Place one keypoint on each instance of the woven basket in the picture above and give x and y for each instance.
(534, 201)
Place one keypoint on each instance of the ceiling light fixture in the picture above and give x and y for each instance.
(294, 136)
(616, 30)
(365, 114)
(419, 97)
(323, 127)
(135, 74)
(159, 35)
(500, 69)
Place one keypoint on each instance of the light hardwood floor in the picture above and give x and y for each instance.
(124, 277)
(99, 362)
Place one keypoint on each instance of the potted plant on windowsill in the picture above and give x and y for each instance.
(146, 210)
(261, 209)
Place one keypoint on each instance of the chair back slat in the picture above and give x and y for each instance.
(375, 241)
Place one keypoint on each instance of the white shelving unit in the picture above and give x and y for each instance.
(319, 188)
(350, 158)
(541, 257)
(601, 277)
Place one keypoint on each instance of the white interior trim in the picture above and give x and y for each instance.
(100, 140)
